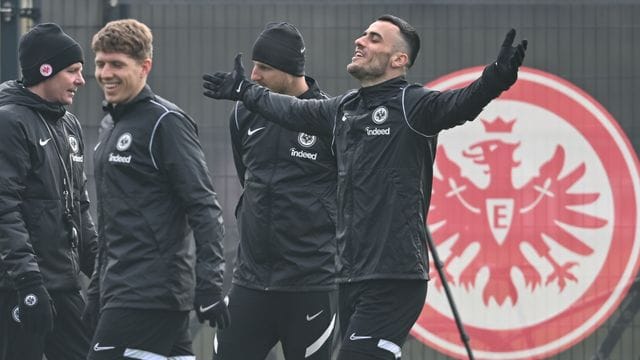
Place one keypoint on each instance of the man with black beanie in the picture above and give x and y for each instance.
(283, 285)
(47, 236)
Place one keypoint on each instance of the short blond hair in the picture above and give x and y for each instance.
(127, 36)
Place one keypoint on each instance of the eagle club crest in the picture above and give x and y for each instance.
(526, 213)
(124, 142)
(379, 115)
(73, 143)
(306, 140)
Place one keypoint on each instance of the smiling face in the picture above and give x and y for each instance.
(378, 54)
(120, 76)
(62, 87)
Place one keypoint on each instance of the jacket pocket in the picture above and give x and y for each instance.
(42, 218)
(127, 230)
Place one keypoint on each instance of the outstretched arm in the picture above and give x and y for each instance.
(311, 116)
(434, 110)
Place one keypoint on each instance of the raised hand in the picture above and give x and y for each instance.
(225, 85)
(510, 58)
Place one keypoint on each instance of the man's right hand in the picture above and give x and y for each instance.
(224, 85)
(36, 309)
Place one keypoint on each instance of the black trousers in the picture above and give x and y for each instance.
(377, 315)
(142, 334)
(303, 322)
(68, 341)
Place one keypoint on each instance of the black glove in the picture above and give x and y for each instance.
(510, 58)
(91, 313)
(224, 85)
(36, 309)
(211, 306)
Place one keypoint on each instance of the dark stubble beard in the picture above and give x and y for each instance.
(369, 71)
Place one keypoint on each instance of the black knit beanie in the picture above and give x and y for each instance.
(44, 51)
(280, 45)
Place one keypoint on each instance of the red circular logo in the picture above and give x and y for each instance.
(534, 213)
(46, 70)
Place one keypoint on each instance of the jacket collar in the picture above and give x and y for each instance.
(116, 111)
(14, 92)
(378, 94)
(313, 91)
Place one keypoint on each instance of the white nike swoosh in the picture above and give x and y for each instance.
(96, 147)
(353, 337)
(309, 318)
(44, 142)
(251, 132)
(239, 86)
(97, 347)
(207, 308)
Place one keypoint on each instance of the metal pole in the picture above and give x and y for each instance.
(16, 18)
(8, 39)
(436, 260)
(629, 310)
(29, 14)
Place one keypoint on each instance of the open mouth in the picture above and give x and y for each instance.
(357, 54)
(111, 88)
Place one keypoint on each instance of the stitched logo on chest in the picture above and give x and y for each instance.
(380, 115)
(377, 131)
(119, 159)
(306, 140)
(251, 132)
(73, 143)
(303, 154)
(124, 141)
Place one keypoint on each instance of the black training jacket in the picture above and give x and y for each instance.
(34, 234)
(287, 211)
(154, 190)
(385, 138)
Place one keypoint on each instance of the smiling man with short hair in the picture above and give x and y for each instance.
(153, 190)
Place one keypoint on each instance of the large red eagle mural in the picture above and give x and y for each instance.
(534, 213)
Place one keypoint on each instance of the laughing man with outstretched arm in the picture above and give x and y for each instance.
(384, 137)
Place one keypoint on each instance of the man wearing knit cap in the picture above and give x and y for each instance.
(47, 235)
(283, 285)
